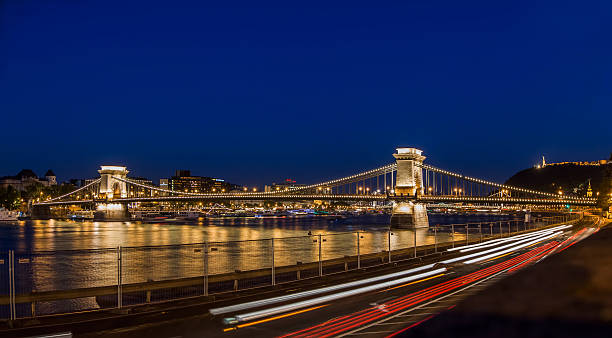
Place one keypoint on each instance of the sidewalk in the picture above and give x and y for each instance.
(565, 295)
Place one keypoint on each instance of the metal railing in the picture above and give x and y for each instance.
(40, 283)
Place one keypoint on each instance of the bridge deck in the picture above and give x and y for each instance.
(339, 197)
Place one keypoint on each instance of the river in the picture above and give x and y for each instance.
(59, 255)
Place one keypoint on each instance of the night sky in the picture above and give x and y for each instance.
(257, 92)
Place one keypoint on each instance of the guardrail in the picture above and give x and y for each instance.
(57, 282)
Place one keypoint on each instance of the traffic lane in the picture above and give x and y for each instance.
(420, 316)
(406, 320)
(346, 306)
(301, 319)
(367, 317)
(566, 295)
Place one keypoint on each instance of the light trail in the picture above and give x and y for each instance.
(280, 317)
(310, 302)
(347, 322)
(363, 315)
(496, 251)
(466, 248)
(412, 283)
(411, 326)
(542, 235)
(280, 299)
(517, 267)
(479, 259)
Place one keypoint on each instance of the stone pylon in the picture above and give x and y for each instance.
(409, 182)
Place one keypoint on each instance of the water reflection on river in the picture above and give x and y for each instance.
(69, 235)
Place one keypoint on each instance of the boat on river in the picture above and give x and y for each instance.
(8, 215)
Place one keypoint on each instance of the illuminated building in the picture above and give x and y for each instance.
(287, 184)
(136, 191)
(589, 190)
(185, 182)
(26, 178)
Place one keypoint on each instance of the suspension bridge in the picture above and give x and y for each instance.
(408, 183)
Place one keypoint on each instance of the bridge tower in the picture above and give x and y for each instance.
(409, 182)
(111, 187)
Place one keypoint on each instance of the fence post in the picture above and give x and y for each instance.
(358, 253)
(415, 243)
(205, 268)
(453, 234)
(119, 293)
(436, 238)
(320, 261)
(389, 245)
(501, 232)
(467, 233)
(480, 231)
(491, 228)
(273, 272)
(11, 270)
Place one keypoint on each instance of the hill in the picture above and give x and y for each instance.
(570, 178)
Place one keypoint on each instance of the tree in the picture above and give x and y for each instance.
(10, 198)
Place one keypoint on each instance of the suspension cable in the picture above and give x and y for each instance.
(74, 191)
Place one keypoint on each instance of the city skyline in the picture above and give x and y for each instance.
(280, 180)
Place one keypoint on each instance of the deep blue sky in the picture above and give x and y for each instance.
(255, 92)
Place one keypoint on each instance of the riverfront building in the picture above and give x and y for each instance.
(26, 178)
(185, 182)
(287, 184)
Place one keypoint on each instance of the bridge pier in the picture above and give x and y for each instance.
(409, 215)
(40, 212)
(111, 212)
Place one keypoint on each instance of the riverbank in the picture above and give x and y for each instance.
(566, 295)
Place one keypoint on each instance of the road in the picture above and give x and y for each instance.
(381, 306)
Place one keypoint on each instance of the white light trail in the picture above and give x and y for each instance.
(494, 242)
(258, 303)
(458, 259)
(324, 299)
(479, 259)
(536, 237)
